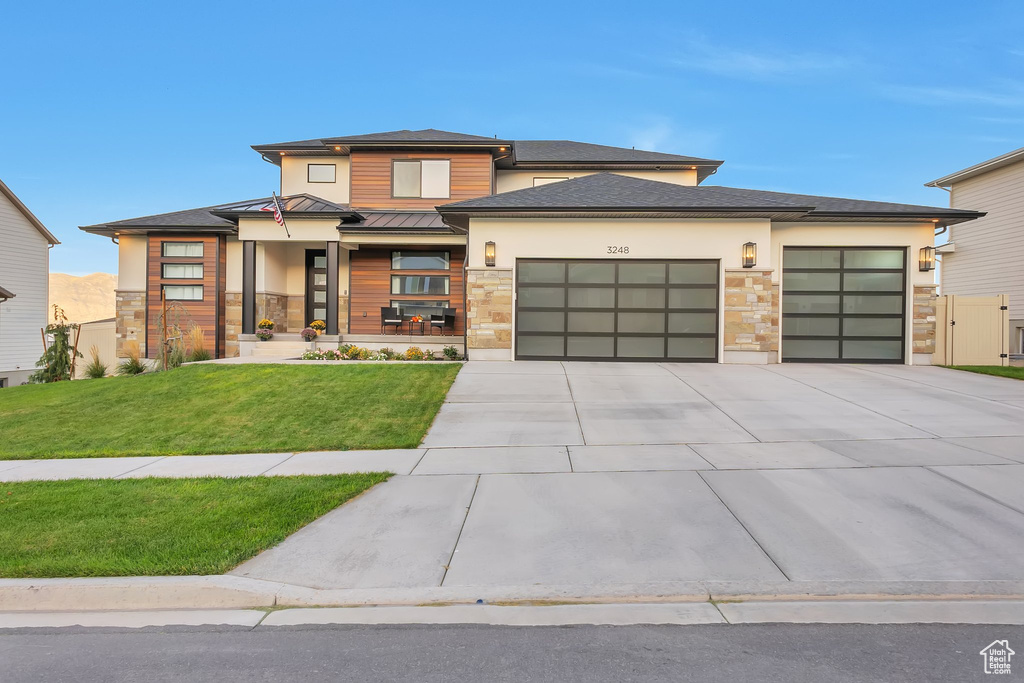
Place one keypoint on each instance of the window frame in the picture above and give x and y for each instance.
(419, 162)
(309, 178)
(447, 260)
(165, 276)
(401, 275)
(164, 244)
(202, 292)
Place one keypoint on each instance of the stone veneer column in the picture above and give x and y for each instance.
(232, 323)
(924, 324)
(130, 308)
(489, 313)
(342, 315)
(751, 326)
(273, 307)
(296, 313)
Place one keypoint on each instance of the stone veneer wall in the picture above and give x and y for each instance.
(776, 328)
(130, 308)
(924, 319)
(232, 323)
(342, 314)
(296, 318)
(273, 307)
(751, 322)
(488, 308)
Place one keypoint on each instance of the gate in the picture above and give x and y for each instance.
(972, 330)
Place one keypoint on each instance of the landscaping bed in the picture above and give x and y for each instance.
(996, 370)
(152, 527)
(217, 409)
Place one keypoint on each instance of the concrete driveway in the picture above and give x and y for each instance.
(591, 474)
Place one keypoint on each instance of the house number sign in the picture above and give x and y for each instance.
(618, 250)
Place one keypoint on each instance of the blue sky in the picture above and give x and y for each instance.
(115, 110)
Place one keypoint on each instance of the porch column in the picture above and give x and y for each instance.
(248, 287)
(332, 288)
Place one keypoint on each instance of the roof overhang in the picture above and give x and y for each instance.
(976, 170)
(5, 294)
(116, 231)
(704, 169)
(460, 219)
(31, 217)
(333, 148)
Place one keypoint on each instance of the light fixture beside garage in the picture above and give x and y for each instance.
(489, 254)
(749, 255)
(927, 259)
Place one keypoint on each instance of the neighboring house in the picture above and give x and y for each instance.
(984, 257)
(545, 249)
(24, 271)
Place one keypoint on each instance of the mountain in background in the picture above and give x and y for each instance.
(83, 298)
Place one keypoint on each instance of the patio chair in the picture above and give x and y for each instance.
(390, 316)
(446, 318)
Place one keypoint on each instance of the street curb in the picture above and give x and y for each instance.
(227, 591)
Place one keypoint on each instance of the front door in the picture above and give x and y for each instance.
(316, 285)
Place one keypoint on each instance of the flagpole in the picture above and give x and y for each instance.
(280, 210)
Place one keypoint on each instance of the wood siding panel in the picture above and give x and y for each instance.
(208, 313)
(371, 178)
(989, 250)
(370, 286)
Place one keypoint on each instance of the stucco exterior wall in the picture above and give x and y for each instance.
(131, 262)
(294, 178)
(508, 180)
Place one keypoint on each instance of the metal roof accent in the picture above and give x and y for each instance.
(398, 222)
(976, 170)
(31, 217)
(296, 204)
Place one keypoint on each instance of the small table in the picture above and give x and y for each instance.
(411, 323)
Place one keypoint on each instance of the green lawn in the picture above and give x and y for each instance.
(148, 527)
(207, 409)
(997, 370)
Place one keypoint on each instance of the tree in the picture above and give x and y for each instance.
(57, 359)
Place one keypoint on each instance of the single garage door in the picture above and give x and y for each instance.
(629, 310)
(843, 304)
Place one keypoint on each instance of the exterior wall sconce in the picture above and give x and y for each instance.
(489, 254)
(749, 255)
(927, 259)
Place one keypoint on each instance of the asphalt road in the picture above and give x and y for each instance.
(765, 653)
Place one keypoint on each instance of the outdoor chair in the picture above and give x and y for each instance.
(446, 318)
(390, 316)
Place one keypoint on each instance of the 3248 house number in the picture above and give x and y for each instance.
(618, 250)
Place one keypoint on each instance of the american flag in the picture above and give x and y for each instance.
(278, 213)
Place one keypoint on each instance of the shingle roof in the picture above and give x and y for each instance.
(188, 218)
(425, 135)
(612, 192)
(569, 151)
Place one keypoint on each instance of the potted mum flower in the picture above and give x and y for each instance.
(308, 334)
(266, 324)
(319, 326)
(263, 334)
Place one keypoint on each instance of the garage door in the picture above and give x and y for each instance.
(629, 310)
(843, 304)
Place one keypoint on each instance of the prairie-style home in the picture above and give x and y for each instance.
(984, 258)
(24, 287)
(536, 250)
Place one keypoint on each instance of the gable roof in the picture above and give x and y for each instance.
(222, 218)
(976, 170)
(29, 216)
(610, 192)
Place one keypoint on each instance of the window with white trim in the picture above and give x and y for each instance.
(176, 249)
(183, 292)
(421, 179)
(182, 271)
(321, 173)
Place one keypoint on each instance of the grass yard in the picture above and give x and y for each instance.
(148, 527)
(209, 409)
(997, 370)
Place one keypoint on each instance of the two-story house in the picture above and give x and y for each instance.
(546, 249)
(24, 287)
(984, 258)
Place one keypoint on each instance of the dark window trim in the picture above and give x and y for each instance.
(163, 288)
(420, 162)
(328, 182)
(403, 274)
(841, 315)
(164, 276)
(164, 243)
(615, 333)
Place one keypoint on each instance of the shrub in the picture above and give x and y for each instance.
(263, 334)
(197, 341)
(266, 324)
(308, 333)
(415, 353)
(132, 365)
(451, 353)
(96, 367)
(388, 354)
(55, 363)
(343, 349)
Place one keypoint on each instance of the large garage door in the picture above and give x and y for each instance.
(635, 310)
(843, 305)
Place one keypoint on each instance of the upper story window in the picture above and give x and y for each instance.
(421, 179)
(182, 271)
(182, 249)
(321, 173)
(547, 180)
(183, 292)
(420, 260)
